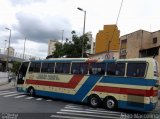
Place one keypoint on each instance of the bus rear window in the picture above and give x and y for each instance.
(136, 69)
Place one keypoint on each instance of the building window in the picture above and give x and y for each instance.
(149, 52)
(155, 40)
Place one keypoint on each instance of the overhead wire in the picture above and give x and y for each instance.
(115, 25)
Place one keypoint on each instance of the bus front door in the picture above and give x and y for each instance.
(22, 72)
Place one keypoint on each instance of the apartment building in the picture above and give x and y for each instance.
(140, 43)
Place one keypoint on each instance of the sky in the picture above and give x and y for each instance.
(42, 20)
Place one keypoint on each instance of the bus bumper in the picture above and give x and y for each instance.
(21, 89)
(137, 106)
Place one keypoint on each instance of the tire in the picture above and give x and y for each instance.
(31, 91)
(94, 101)
(110, 103)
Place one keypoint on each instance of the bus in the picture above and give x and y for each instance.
(118, 83)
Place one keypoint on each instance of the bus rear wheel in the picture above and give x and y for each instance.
(31, 91)
(110, 103)
(94, 101)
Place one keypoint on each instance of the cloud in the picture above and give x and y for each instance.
(41, 29)
(24, 2)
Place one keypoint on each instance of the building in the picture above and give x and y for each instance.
(140, 43)
(51, 46)
(11, 51)
(90, 42)
(107, 39)
(104, 55)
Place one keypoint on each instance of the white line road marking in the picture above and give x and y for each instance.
(93, 110)
(90, 112)
(67, 117)
(28, 98)
(11, 95)
(4, 91)
(20, 96)
(88, 115)
(39, 99)
(48, 100)
(8, 93)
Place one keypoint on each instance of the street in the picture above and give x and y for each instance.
(17, 105)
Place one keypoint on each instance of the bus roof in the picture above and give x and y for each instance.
(91, 60)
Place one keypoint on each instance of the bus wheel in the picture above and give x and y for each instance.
(110, 103)
(94, 101)
(31, 91)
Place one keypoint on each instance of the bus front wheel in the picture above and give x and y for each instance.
(110, 103)
(31, 91)
(94, 101)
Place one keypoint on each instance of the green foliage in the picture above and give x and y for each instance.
(72, 48)
(16, 66)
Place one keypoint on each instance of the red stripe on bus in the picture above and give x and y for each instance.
(71, 84)
(128, 91)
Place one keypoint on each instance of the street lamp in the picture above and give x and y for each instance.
(83, 28)
(8, 48)
(24, 47)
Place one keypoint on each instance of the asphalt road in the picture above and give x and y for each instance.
(14, 105)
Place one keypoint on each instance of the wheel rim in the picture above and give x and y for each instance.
(31, 92)
(110, 104)
(94, 101)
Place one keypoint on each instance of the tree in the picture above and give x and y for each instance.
(72, 48)
(16, 66)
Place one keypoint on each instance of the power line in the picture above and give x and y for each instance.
(115, 26)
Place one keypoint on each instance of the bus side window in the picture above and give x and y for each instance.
(48, 67)
(62, 68)
(116, 69)
(34, 67)
(66, 68)
(136, 69)
(75, 68)
(97, 68)
(51, 67)
(59, 67)
(79, 68)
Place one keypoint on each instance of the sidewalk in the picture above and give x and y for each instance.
(6, 86)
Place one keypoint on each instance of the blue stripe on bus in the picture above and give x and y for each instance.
(78, 97)
(128, 81)
(136, 106)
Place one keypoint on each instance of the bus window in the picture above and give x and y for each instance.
(79, 68)
(116, 69)
(34, 67)
(97, 68)
(47, 67)
(62, 68)
(136, 69)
